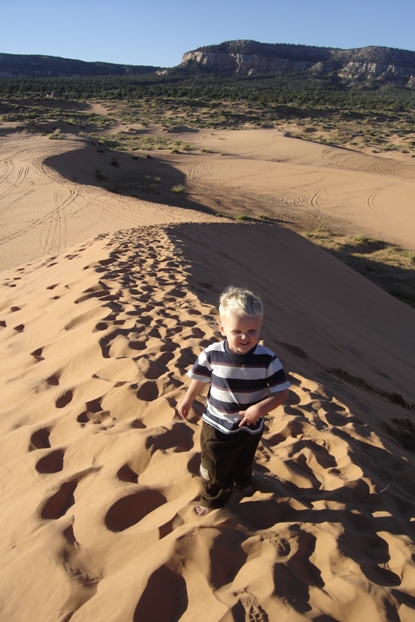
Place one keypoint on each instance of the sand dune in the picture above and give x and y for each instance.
(294, 179)
(44, 210)
(51, 198)
(99, 475)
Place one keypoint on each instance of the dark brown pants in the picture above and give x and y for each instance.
(226, 461)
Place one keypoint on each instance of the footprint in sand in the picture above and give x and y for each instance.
(292, 430)
(179, 438)
(138, 425)
(37, 354)
(64, 399)
(130, 510)
(40, 439)
(164, 597)
(92, 293)
(51, 463)
(164, 358)
(58, 504)
(148, 392)
(53, 380)
(94, 412)
(155, 370)
(186, 359)
(293, 399)
(127, 475)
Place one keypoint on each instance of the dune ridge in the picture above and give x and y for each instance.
(56, 193)
(99, 474)
(44, 210)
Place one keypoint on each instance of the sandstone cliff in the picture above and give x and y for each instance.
(245, 64)
(249, 57)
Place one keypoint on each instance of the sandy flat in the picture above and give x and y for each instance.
(105, 302)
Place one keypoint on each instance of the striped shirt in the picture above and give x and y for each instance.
(238, 381)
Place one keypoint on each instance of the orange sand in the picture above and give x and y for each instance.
(105, 301)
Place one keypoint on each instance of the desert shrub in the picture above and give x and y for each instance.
(56, 134)
(178, 188)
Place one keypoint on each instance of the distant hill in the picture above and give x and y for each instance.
(246, 57)
(370, 66)
(37, 66)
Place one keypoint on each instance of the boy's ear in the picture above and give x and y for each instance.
(220, 327)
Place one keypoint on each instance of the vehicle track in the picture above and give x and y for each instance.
(371, 200)
(21, 177)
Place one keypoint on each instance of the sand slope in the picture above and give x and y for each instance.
(294, 179)
(44, 209)
(51, 193)
(99, 475)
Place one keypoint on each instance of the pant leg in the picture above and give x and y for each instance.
(226, 459)
(217, 480)
(242, 464)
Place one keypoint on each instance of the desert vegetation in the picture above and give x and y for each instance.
(389, 266)
(378, 119)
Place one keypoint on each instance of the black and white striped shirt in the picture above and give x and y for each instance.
(237, 382)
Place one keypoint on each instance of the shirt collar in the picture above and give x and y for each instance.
(237, 358)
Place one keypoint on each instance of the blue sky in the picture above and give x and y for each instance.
(158, 32)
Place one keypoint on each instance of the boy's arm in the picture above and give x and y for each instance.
(255, 412)
(192, 392)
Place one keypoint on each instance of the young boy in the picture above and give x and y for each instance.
(247, 381)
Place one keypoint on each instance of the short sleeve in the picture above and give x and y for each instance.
(277, 380)
(201, 370)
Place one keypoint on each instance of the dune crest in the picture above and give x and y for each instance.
(99, 474)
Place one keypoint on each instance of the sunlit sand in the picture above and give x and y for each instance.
(105, 302)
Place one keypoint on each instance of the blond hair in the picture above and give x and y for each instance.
(241, 302)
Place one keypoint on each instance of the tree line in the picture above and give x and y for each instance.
(294, 90)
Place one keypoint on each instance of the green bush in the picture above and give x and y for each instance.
(56, 135)
(178, 188)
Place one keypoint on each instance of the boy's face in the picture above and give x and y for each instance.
(241, 331)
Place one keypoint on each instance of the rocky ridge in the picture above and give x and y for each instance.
(38, 66)
(245, 58)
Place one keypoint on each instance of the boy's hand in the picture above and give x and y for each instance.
(186, 404)
(184, 408)
(249, 416)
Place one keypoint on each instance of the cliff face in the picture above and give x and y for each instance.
(361, 64)
(357, 70)
(245, 64)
